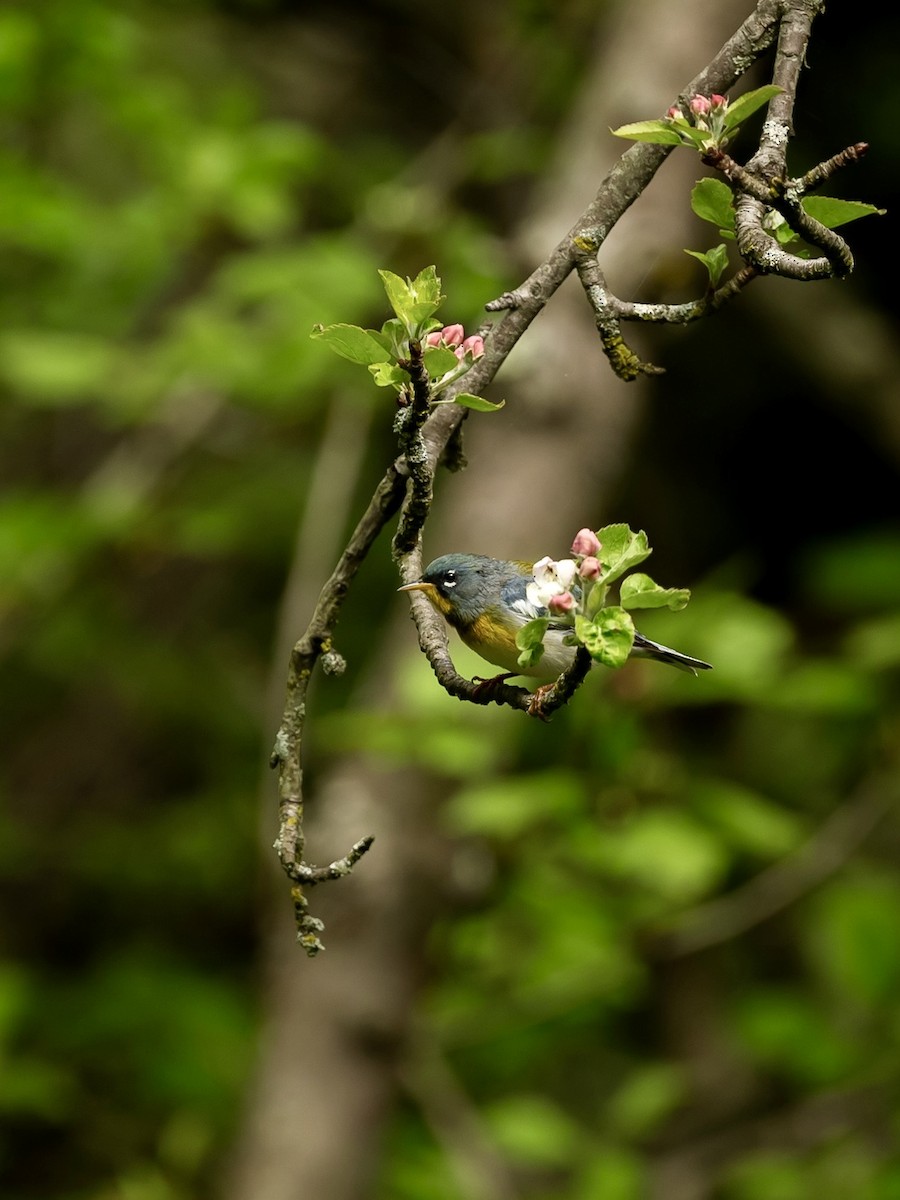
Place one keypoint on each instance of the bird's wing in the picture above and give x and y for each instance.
(515, 600)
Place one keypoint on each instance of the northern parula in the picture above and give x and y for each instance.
(486, 602)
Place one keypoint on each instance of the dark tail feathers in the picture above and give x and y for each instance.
(644, 648)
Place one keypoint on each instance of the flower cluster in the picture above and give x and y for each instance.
(575, 593)
(560, 585)
(701, 107)
(706, 114)
(453, 337)
(466, 349)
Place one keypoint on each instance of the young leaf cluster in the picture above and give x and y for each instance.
(707, 125)
(704, 127)
(387, 352)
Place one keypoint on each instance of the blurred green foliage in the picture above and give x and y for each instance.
(171, 227)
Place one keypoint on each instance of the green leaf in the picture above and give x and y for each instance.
(439, 360)
(712, 200)
(784, 235)
(741, 108)
(381, 337)
(478, 402)
(639, 591)
(595, 599)
(660, 133)
(702, 139)
(608, 638)
(413, 300)
(398, 293)
(715, 261)
(349, 341)
(831, 212)
(530, 640)
(389, 375)
(394, 336)
(620, 549)
(426, 287)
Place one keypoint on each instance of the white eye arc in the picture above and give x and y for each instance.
(450, 579)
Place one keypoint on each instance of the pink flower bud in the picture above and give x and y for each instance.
(433, 339)
(562, 603)
(474, 345)
(452, 335)
(700, 105)
(674, 113)
(718, 101)
(590, 568)
(586, 542)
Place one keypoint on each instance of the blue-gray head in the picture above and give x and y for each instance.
(463, 586)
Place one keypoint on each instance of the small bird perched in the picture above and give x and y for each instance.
(486, 601)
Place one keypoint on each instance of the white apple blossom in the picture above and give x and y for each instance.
(551, 578)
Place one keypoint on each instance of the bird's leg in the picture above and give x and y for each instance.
(495, 679)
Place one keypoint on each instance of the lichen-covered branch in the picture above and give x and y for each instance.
(286, 754)
(429, 433)
(759, 188)
(411, 417)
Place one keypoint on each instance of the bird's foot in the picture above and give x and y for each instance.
(484, 687)
(536, 703)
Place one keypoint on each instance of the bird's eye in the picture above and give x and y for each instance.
(450, 579)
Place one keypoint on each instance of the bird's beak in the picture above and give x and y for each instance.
(419, 586)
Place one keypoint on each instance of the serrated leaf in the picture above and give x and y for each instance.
(660, 133)
(351, 342)
(426, 287)
(640, 591)
(741, 108)
(398, 292)
(478, 402)
(712, 200)
(609, 637)
(413, 300)
(530, 640)
(620, 549)
(389, 375)
(831, 212)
